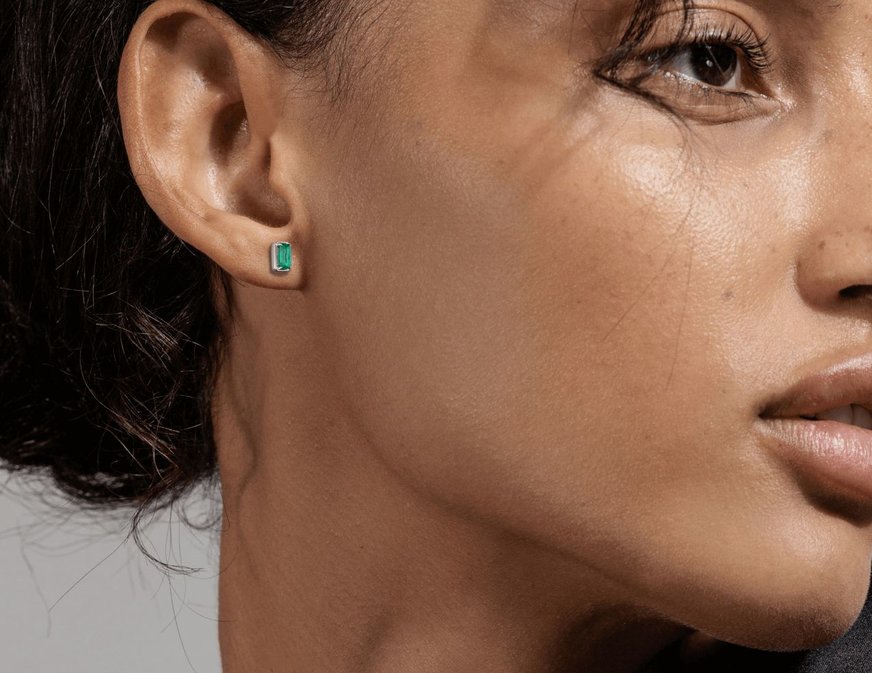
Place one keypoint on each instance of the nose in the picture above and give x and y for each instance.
(835, 268)
(834, 262)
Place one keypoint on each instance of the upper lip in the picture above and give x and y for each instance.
(848, 382)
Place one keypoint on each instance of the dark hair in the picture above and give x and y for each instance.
(109, 338)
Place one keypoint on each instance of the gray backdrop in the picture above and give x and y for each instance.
(76, 598)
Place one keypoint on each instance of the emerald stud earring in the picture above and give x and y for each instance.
(280, 256)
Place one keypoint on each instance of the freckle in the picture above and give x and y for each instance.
(729, 294)
(822, 245)
(840, 234)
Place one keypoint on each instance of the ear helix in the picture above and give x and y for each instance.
(281, 256)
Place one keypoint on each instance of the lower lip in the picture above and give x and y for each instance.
(826, 451)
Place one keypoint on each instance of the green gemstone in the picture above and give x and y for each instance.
(281, 257)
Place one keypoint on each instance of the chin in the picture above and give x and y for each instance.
(795, 595)
(800, 615)
(802, 629)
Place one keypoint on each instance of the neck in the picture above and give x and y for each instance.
(331, 562)
(392, 584)
(353, 573)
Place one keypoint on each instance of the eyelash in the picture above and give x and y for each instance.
(755, 50)
(644, 72)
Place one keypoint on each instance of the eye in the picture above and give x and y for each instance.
(714, 65)
(726, 60)
(707, 65)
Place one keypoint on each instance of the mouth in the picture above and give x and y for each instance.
(822, 427)
(850, 414)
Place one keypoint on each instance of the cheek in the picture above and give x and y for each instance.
(500, 337)
(557, 355)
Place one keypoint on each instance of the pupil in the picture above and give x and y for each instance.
(714, 64)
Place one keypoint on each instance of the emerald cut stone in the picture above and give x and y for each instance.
(280, 254)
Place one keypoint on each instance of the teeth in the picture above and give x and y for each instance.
(852, 415)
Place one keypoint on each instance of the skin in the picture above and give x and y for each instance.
(502, 414)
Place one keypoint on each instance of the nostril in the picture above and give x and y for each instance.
(856, 291)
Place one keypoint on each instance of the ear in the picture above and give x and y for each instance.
(201, 105)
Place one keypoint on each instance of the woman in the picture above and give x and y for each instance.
(520, 335)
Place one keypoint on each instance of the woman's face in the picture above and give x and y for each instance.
(561, 309)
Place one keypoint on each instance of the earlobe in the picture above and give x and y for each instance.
(200, 104)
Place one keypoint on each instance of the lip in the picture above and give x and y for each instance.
(848, 382)
(831, 454)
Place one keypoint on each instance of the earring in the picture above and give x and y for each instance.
(280, 255)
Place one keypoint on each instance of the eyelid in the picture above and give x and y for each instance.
(706, 13)
(709, 104)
